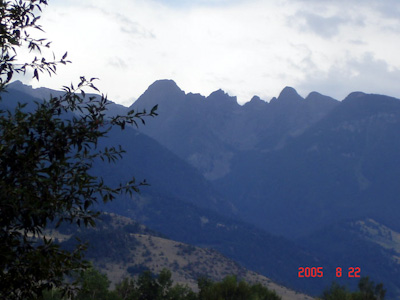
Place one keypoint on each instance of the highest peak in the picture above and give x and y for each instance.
(289, 93)
(165, 85)
(164, 89)
(17, 84)
(164, 92)
(22, 87)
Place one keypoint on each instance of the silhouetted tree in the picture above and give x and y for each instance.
(367, 290)
(335, 292)
(231, 288)
(46, 155)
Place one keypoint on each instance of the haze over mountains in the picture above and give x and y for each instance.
(293, 166)
(313, 160)
(206, 131)
(279, 185)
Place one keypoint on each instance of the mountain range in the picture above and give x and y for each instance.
(314, 160)
(273, 185)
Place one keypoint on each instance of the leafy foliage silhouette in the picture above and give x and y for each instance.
(367, 290)
(148, 286)
(46, 155)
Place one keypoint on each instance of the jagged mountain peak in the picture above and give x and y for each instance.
(314, 95)
(317, 97)
(40, 92)
(165, 93)
(255, 99)
(166, 86)
(16, 84)
(255, 102)
(220, 96)
(289, 94)
(219, 93)
(354, 95)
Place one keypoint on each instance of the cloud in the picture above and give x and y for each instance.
(244, 47)
(183, 4)
(389, 9)
(366, 74)
(129, 26)
(118, 63)
(123, 20)
(325, 27)
(327, 19)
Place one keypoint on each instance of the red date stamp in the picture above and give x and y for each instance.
(313, 272)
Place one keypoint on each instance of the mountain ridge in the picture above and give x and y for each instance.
(181, 204)
(169, 86)
(218, 123)
(288, 167)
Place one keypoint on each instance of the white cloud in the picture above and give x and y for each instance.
(326, 27)
(366, 74)
(243, 47)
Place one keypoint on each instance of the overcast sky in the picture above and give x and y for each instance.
(245, 47)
